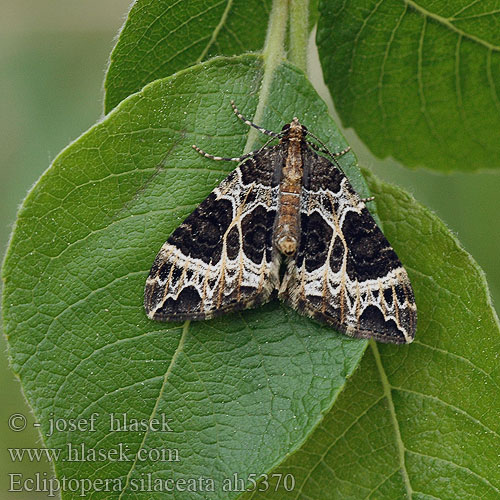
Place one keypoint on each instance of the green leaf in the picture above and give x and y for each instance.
(419, 421)
(243, 391)
(161, 37)
(417, 80)
(313, 13)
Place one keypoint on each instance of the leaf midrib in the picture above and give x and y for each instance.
(216, 32)
(393, 417)
(273, 55)
(178, 351)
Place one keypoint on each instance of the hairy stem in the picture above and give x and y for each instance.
(274, 54)
(299, 33)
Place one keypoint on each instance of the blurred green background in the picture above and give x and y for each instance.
(53, 54)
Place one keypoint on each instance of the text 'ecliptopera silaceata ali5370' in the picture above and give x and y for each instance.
(285, 203)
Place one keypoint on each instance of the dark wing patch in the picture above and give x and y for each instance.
(221, 258)
(345, 273)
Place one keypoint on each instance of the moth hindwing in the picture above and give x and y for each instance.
(285, 202)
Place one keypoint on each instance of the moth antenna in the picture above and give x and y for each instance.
(325, 149)
(251, 124)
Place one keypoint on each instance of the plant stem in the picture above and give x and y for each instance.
(299, 33)
(273, 54)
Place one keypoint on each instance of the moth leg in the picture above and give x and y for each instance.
(238, 159)
(251, 124)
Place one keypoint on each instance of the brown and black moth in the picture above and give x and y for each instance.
(285, 203)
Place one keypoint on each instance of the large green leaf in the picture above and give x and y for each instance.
(418, 80)
(242, 391)
(422, 421)
(161, 37)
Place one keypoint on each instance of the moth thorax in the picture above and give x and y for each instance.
(287, 245)
(296, 132)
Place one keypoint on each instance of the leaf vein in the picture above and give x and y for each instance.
(446, 22)
(104, 348)
(397, 432)
(461, 358)
(358, 35)
(421, 93)
(384, 61)
(491, 81)
(381, 483)
(333, 443)
(448, 405)
(216, 31)
(177, 353)
(461, 467)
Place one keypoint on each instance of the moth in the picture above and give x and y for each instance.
(286, 203)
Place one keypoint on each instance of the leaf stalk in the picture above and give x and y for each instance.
(299, 33)
(273, 54)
